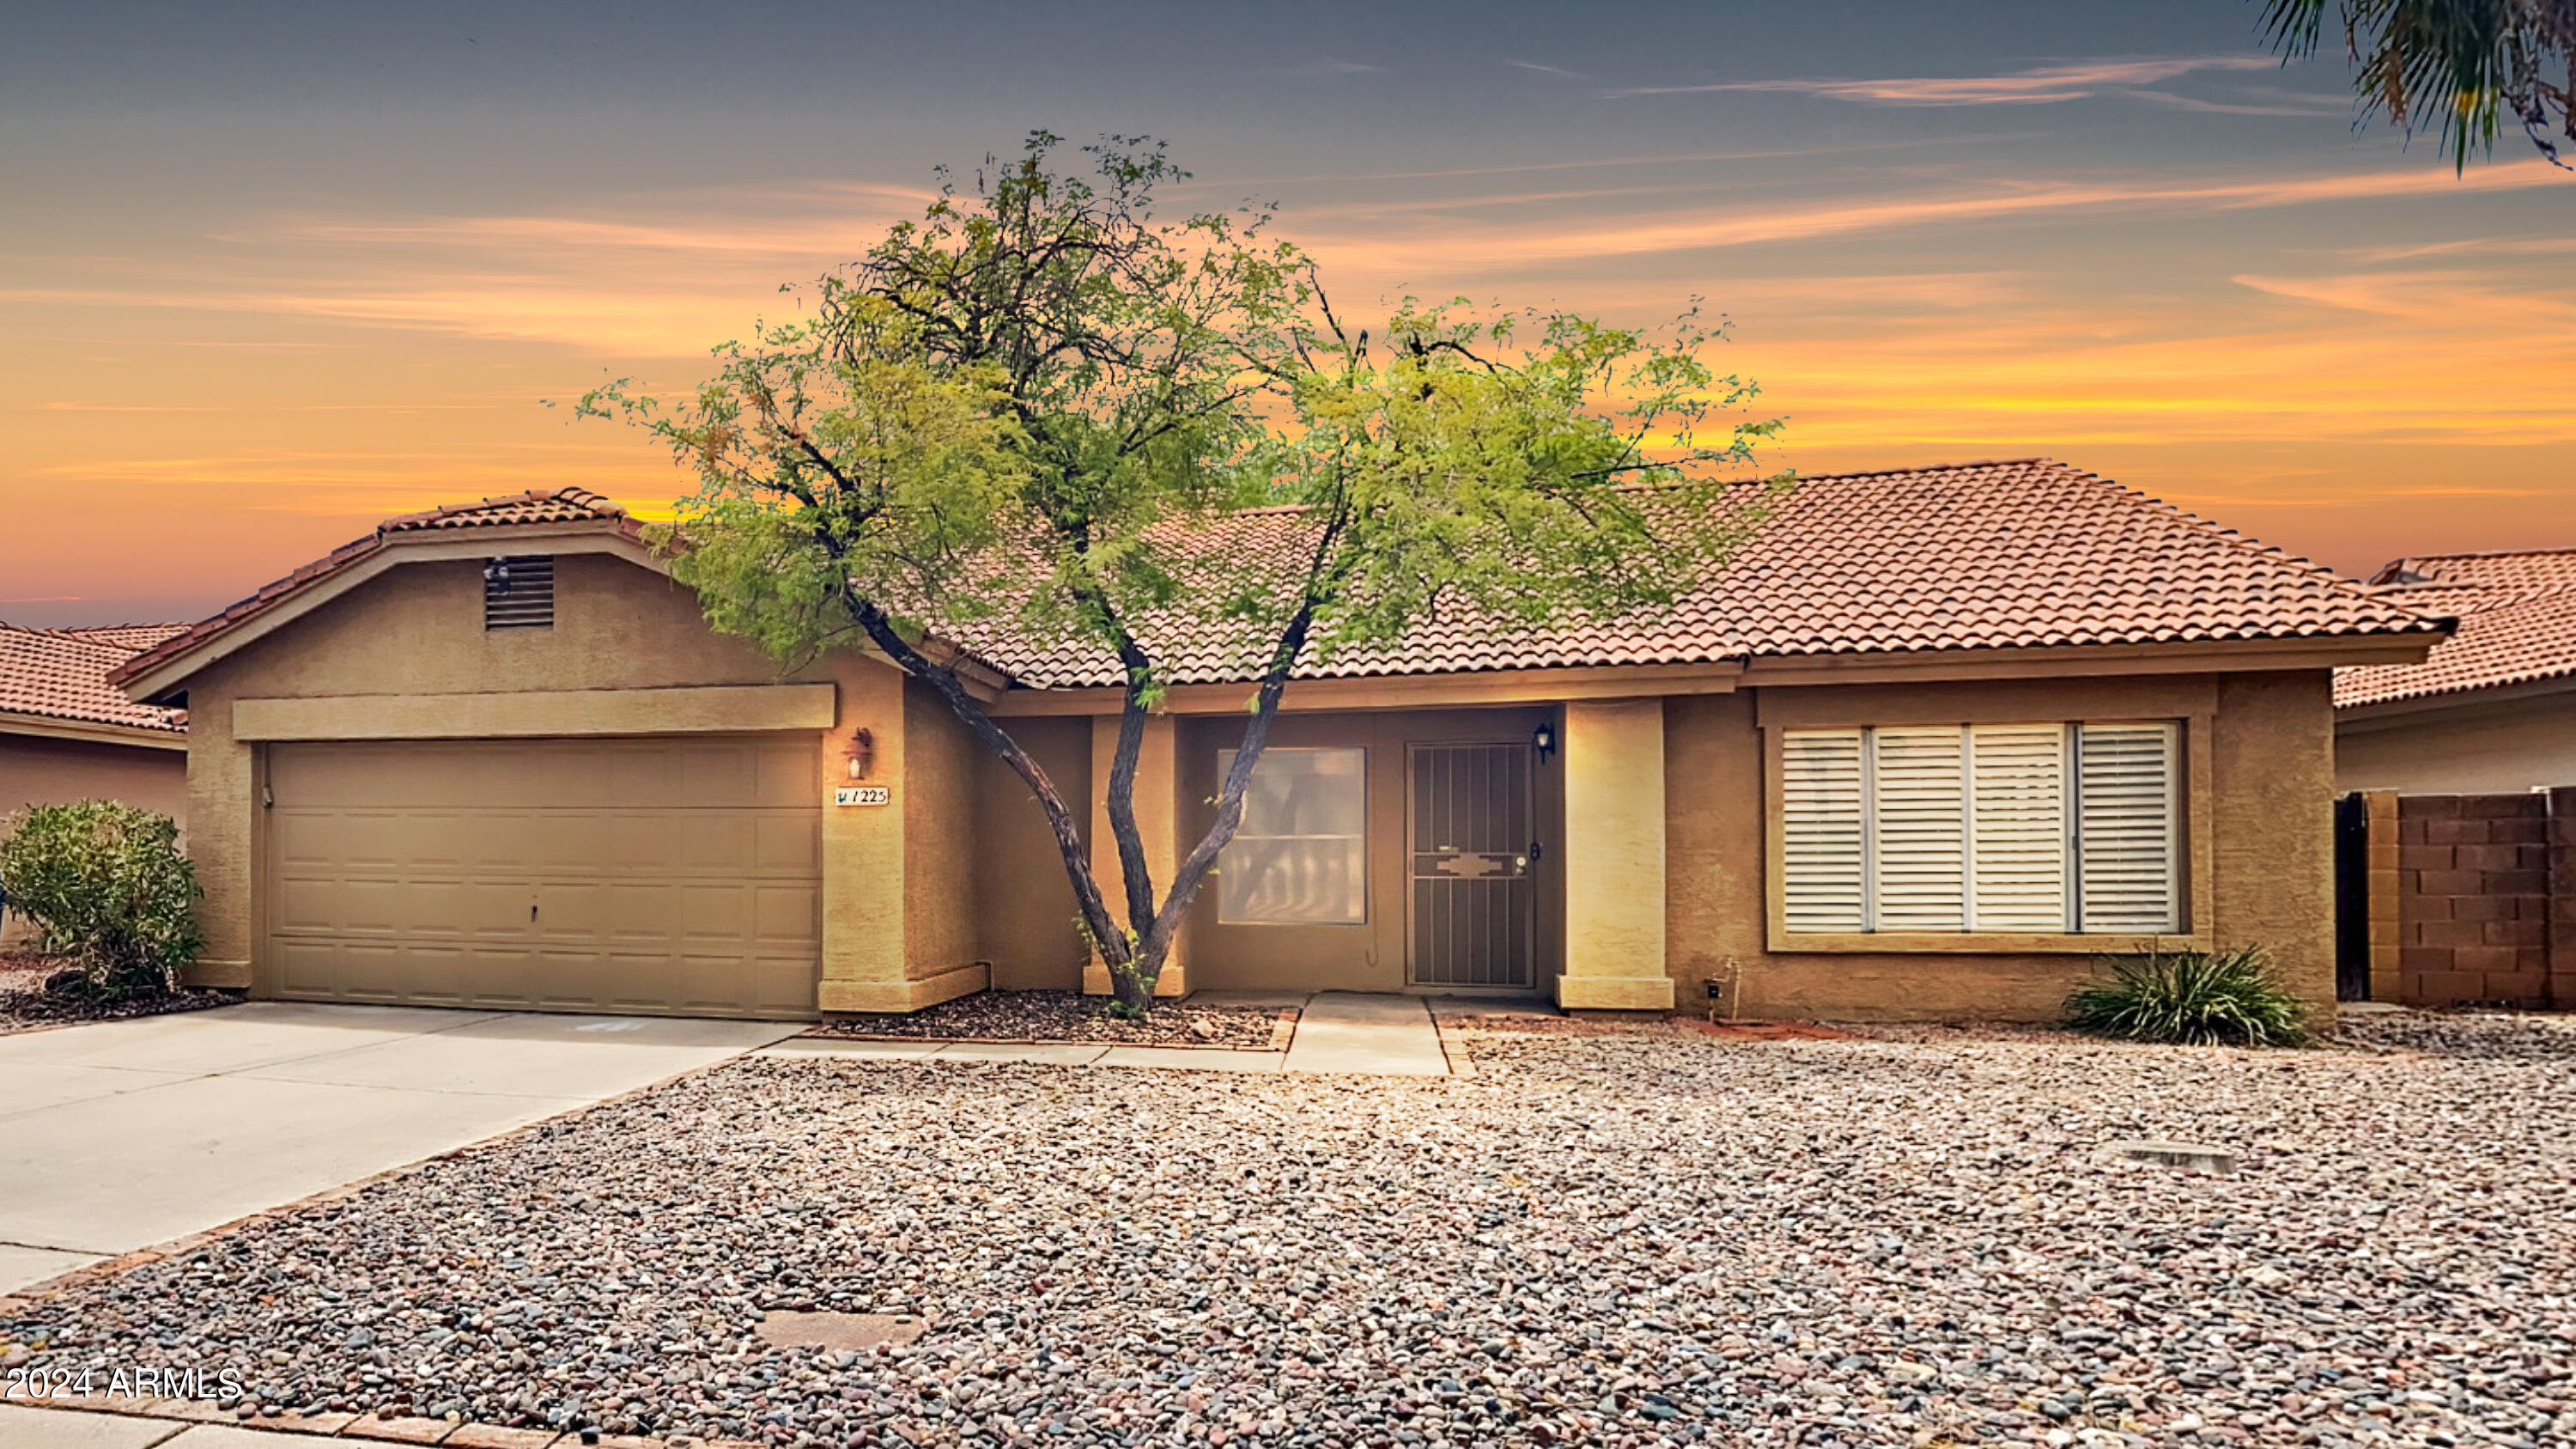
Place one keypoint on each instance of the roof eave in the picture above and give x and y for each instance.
(2484, 696)
(90, 731)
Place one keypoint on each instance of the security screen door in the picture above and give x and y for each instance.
(1473, 893)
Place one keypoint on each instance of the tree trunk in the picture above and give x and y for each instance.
(1135, 955)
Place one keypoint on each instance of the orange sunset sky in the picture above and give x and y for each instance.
(276, 271)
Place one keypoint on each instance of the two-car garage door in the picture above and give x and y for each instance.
(674, 875)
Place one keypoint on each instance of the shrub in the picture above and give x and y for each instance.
(2191, 998)
(108, 891)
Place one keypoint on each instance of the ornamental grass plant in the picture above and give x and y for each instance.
(2191, 998)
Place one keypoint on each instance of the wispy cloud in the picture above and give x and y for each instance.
(1329, 67)
(2043, 85)
(1548, 69)
(2292, 106)
(1729, 224)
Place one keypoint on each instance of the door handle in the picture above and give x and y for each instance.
(1537, 851)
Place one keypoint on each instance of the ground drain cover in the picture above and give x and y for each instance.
(2188, 1155)
(839, 1330)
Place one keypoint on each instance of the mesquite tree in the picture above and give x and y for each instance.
(1031, 415)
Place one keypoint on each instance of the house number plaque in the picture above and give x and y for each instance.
(862, 794)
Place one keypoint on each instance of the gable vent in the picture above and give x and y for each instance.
(519, 593)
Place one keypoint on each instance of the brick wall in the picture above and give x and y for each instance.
(2484, 898)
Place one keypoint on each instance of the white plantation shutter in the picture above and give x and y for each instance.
(1921, 861)
(1823, 828)
(2018, 827)
(2125, 786)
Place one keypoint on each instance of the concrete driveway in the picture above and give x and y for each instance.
(120, 1135)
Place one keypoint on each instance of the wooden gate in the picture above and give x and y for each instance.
(1472, 846)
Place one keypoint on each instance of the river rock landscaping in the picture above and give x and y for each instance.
(1597, 1239)
(1070, 1016)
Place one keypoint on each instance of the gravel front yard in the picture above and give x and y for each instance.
(25, 1005)
(1071, 1016)
(1598, 1239)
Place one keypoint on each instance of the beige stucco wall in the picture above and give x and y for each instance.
(1616, 805)
(1025, 918)
(418, 630)
(39, 771)
(2259, 836)
(940, 841)
(2495, 747)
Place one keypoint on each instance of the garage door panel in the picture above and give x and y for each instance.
(668, 875)
(715, 912)
(569, 841)
(781, 846)
(715, 846)
(783, 915)
(787, 778)
(704, 779)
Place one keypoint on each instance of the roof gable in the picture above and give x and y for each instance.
(555, 512)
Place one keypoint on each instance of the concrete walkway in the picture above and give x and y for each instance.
(1348, 1031)
(120, 1135)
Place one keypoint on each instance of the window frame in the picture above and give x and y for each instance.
(2190, 715)
(1368, 896)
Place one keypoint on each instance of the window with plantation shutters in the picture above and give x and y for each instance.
(2125, 781)
(1824, 861)
(2017, 825)
(2040, 828)
(1921, 837)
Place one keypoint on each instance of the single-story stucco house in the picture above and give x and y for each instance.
(1930, 740)
(66, 734)
(2492, 711)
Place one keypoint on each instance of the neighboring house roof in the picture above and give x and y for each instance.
(2517, 625)
(1991, 555)
(2516, 571)
(561, 505)
(62, 674)
(130, 637)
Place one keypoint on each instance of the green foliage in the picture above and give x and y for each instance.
(108, 891)
(2458, 66)
(2191, 998)
(1029, 411)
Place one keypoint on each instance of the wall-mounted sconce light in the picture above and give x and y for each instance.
(1543, 740)
(863, 753)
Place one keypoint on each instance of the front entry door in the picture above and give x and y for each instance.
(1473, 894)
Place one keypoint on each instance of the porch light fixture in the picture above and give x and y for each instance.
(862, 752)
(1543, 741)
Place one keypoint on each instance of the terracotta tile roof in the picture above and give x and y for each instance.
(1989, 555)
(126, 636)
(2519, 571)
(62, 674)
(562, 505)
(2517, 614)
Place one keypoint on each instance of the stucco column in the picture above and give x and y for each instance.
(1157, 820)
(1614, 857)
(869, 917)
(224, 835)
